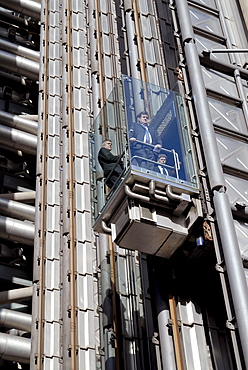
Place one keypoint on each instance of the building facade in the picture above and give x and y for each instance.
(151, 273)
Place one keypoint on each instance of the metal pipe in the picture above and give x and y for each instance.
(17, 210)
(240, 210)
(241, 93)
(131, 194)
(24, 196)
(18, 140)
(15, 319)
(154, 195)
(16, 295)
(15, 230)
(14, 348)
(165, 339)
(18, 122)
(177, 197)
(234, 266)
(12, 48)
(225, 51)
(227, 232)
(28, 7)
(19, 65)
(105, 228)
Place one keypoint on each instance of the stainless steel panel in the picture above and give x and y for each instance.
(78, 98)
(52, 346)
(79, 57)
(205, 21)
(86, 332)
(210, 3)
(87, 359)
(242, 235)
(54, 105)
(81, 170)
(237, 189)
(84, 286)
(53, 197)
(83, 227)
(203, 43)
(84, 257)
(54, 19)
(80, 78)
(227, 116)
(53, 217)
(219, 82)
(233, 153)
(82, 199)
(53, 363)
(54, 85)
(81, 119)
(52, 245)
(53, 169)
(52, 275)
(52, 305)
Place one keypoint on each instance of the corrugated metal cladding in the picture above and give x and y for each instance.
(96, 305)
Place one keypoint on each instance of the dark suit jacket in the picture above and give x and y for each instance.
(138, 131)
(108, 161)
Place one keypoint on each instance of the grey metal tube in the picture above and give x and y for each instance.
(28, 7)
(234, 266)
(17, 210)
(15, 319)
(14, 348)
(165, 339)
(16, 295)
(153, 195)
(15, 230)
(131, 194)
(19, 140)
(221, 202)
(24, 196)
(19, 65)
(19, 50)
(18, 122)
(241, 93)
(209, 143)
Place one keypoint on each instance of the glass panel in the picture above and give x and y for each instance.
(158, 132)
(147, 138)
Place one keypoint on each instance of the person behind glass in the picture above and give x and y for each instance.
(112, 165)
(160, 164)
(143, 132)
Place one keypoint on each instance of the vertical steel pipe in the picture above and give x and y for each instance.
(225, 222)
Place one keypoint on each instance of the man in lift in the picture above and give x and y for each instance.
(145, 142)
(112, 165)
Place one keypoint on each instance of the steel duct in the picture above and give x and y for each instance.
(16, 295)
(18, 122)
(28, 7)
(18, 140)
(15, 319)
(15, 230)
(12, 48)
(20, 65)
(24, 196)
(17, 210)
(14, 348)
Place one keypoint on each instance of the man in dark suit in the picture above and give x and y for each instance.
(161, 165)
(144, 142)
(111, 164)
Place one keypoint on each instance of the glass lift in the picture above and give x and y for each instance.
(153, 203)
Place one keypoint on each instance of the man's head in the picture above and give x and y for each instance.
(143, 118)
(162, 158)
(107, 144)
